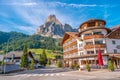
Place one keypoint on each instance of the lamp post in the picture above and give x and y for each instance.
(5, 57)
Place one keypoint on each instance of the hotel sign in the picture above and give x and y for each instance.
(118, 46)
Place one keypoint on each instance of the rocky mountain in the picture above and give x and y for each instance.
(54, 28)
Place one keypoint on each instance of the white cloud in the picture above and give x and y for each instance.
(35, 13)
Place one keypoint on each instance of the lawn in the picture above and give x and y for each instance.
(49, 53)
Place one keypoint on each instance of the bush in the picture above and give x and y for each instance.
(32, 65)
(110, 66)
(59, 64)
(72, 66)
(77, 66)
(88, 67)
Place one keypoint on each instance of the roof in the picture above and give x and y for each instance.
(113, 30)
(91, 20)
(109, 30)
(72, 34)
(115, 27)
(15, 53)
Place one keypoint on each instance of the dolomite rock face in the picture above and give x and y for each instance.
(54, 28)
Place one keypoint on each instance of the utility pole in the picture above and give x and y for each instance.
(5, 57)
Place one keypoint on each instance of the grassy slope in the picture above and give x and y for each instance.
(49, 53)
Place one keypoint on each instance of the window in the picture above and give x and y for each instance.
(88, 34)
(90, 52)
(102, 51)
(113, 42)
(100, 24)
(99, 42)
(115, 51)
(97, 33)
(89, 43)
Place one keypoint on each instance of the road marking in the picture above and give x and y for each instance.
(29, 75)
(51, 74)
(41, 75)
(46, 74)
(57, 74)
(34, 75)
(63, 74)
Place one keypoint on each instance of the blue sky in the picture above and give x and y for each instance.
(26, 15)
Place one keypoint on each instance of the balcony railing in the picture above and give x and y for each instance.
(93, 36)
(94, 46)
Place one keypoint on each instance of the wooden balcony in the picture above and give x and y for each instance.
(93, 36)
(94, 46)
(71, 51)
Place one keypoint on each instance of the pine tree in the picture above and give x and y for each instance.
(41, 60)
(24, 58)
(49, 62)
(32, 65)
(44, 58)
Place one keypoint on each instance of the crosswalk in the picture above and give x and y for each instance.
(32, 75)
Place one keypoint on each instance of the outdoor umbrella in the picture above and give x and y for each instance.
(100, 60)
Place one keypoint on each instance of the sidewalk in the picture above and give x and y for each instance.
(98, 73)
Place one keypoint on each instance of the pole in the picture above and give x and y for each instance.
(5, 57)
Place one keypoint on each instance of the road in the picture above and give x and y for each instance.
(61, 74)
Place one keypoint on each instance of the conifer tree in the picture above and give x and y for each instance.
(24, 59)
(44, 58)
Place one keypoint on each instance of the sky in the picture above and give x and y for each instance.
(26, 15)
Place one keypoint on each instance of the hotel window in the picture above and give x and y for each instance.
(113, 42)
(89, 43)
(99, 42)
(100, 24)
(102, 51)
(115, 51)
(88, 34)
(90, 52)
(97, 33)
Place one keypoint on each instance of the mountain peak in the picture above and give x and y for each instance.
(53, 27)
(51, 18)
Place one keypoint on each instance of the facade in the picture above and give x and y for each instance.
(82, 47)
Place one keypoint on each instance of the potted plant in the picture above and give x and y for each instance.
(110, 66)
(88, 68)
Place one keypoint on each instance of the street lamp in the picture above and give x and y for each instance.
(5, 57)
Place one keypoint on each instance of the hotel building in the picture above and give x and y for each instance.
(82, 47)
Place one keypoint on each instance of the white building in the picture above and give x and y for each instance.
(82, 47)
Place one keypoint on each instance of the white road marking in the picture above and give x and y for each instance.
(41, 75)
(29, 75)
(46, 74)
(62, 74)
(51, 74)
(57, 74)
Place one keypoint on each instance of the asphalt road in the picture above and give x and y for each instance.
(60, 74)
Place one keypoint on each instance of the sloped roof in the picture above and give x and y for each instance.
(113, 30)
(15, 53)
(72, 34)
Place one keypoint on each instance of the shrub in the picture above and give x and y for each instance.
(32, 65)
(88, 67)
(110, 66)
(72, 66)
(77, 66)
(59, 64)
